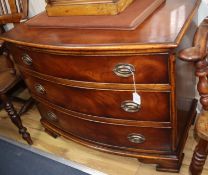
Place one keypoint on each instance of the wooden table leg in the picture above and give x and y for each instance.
(26, 106)
(199, 157)
(15, 118)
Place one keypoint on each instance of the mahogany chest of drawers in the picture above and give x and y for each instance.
(82, 81)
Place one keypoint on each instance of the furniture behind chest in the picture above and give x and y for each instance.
(82, 80)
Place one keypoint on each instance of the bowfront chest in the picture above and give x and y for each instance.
(83, 81)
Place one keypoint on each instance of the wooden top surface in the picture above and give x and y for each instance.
(164, 29)
(129, 19)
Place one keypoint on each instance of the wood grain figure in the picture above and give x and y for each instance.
(83, 83)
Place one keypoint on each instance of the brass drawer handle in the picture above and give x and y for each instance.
(136, 138)
(130, 106)
(27, 59)
(51, 116)
(40, 89)
(124, 70)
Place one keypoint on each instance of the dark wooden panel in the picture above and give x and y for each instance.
(108, 134)
(97, 69)
(155, 105)
(185, 86)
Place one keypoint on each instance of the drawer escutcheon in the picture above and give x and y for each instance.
(136, 138)
(51, 116)
(27, 59)
(124, 70)
(40, 89)
(130, 106)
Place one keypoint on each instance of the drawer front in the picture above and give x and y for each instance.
(103, 103)
(109, 134)
(149, 69)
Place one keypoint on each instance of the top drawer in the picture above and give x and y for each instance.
(149, 69)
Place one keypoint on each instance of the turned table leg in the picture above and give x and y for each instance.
(199, 157)
(29, 103)
(15, 118)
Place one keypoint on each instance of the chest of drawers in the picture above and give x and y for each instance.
(82, 81)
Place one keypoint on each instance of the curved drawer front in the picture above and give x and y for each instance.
(109, 134)
(103, 103)
(149, 69)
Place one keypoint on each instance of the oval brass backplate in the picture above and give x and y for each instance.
(136, 138)
(51, 116)
(27, 59)
(130, 106)
(124, 70)
(40, 89)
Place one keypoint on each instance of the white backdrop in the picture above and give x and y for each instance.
(203, 10)
(37, 6)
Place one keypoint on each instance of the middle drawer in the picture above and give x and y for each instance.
(155, 106)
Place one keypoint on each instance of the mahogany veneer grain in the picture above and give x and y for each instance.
(91, 102)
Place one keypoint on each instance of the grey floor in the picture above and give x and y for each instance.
(15, 160)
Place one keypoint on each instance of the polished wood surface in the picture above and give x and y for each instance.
(202, 126)
(12, 11)
(15, 118)
(198, 54)
(199, 157)
(81, 101)
(152, 34)
(8, 79)
(112, 135)
(129, 19)
(96, 109)
(96, 68)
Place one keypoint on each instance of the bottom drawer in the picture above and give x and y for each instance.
(111, 135)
